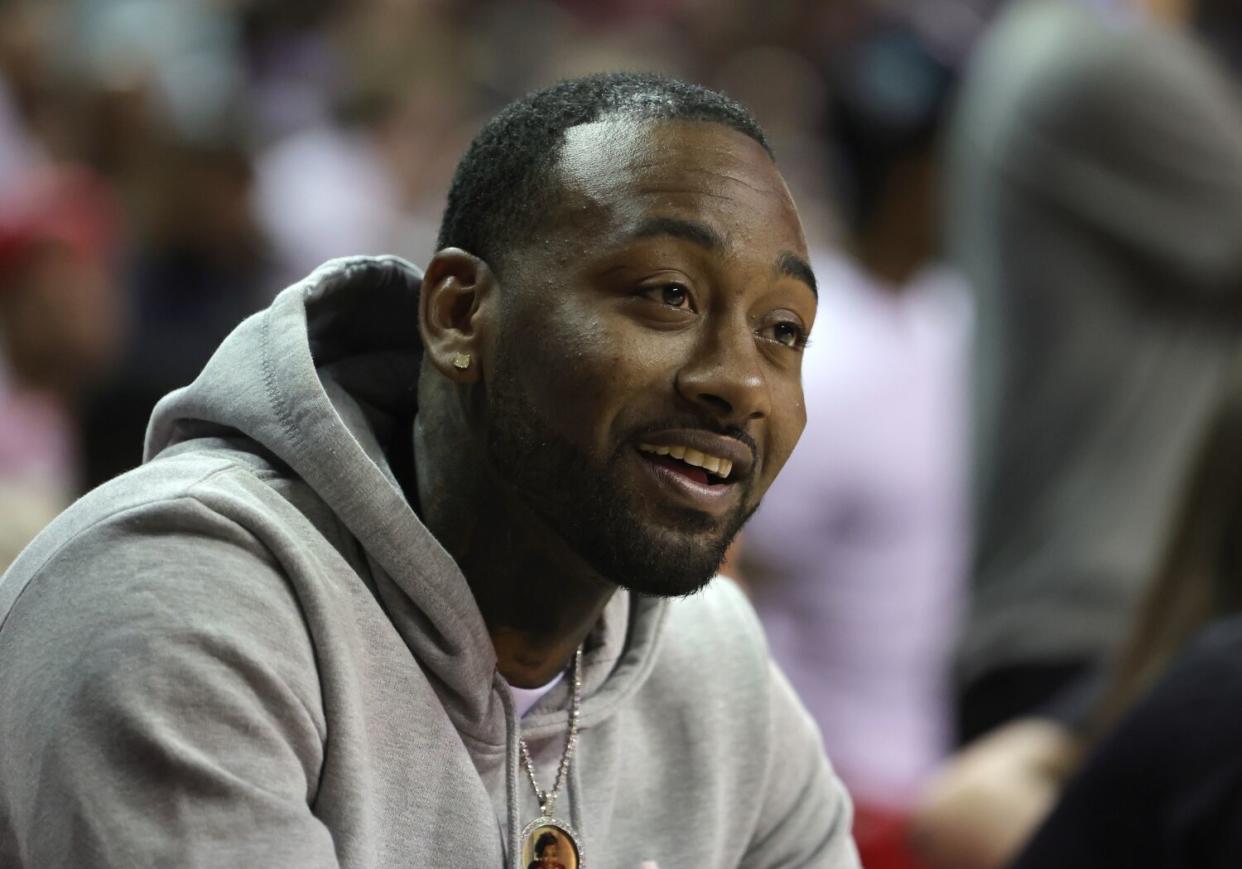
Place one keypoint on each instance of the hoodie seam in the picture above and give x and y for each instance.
(511, 772)
(269, 386)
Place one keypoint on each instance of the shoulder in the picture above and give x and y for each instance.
(170, 550)
(1188, 724)
(152, 583)
(157, 659)
(179, 508)
(726, 698)
(1169, 773)
(1200, 697)
(1059, 72)
(713, 665)
(160, 491)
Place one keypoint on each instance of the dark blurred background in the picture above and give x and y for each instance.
(198, 155)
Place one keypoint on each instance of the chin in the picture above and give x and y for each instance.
(669, 586)
(663, 562)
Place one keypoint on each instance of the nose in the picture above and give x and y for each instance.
(725, 376)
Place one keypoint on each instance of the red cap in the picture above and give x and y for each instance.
(69, 205)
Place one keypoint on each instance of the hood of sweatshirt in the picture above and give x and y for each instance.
(324, 381)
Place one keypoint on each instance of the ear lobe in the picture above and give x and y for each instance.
(452, 313)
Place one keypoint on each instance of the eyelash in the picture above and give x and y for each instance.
(685, 292)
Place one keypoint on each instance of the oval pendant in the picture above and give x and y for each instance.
(550, 843)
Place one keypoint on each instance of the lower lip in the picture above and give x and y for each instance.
(716, 499)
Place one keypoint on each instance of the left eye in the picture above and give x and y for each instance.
(789, 334)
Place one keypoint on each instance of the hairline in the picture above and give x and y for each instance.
(555, 182)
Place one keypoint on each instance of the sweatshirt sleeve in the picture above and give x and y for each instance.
(159, 703)
(806, 814)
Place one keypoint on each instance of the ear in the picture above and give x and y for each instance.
(452, 313)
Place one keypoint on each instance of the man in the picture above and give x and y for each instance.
(298, 634)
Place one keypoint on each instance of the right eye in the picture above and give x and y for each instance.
(674, 295)
(671, 299)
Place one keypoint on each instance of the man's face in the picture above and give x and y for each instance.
(646, 381)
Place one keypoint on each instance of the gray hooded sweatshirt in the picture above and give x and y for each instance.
(250, 652)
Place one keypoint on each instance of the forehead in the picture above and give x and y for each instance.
(621, 171)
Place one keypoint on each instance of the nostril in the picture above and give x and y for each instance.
(717, 403)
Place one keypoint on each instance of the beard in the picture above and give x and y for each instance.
(588, 504)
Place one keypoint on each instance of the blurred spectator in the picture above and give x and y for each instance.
(1100, 172)
(59, 329)
(367, 174)
(370, 182)
(1097, 193)
(1161, 791)
(1160, 784)
(198, 268)
(855, 558)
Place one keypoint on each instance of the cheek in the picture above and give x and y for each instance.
(582, 376)
(786, 426)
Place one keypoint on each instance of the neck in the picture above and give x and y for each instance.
(895, 264)
(538, 599)
(901, 234)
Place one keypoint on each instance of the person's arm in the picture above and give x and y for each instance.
(159, 703)
(806, 814)
(989, 798)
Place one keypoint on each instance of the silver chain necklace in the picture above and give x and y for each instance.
(546, 830)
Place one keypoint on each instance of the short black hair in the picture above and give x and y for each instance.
(542, 843)
(504, 181)
(890, 96)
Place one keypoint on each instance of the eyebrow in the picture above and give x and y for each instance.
(788, 263)
(794, 266)
(692, 231)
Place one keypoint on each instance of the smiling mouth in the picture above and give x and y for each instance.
(702, 468)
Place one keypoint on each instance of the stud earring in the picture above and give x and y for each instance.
(461, 361)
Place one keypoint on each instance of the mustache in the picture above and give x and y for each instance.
(689, 421)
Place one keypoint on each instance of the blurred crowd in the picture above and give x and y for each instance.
(185, 159)
(1026, 220)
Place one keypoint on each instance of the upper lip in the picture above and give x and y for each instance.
(721, 446)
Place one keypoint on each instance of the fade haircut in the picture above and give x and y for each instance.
(506, 178)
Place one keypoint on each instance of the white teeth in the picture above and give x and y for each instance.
(712, 464)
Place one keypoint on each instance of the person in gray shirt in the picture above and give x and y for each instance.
(395, 502)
